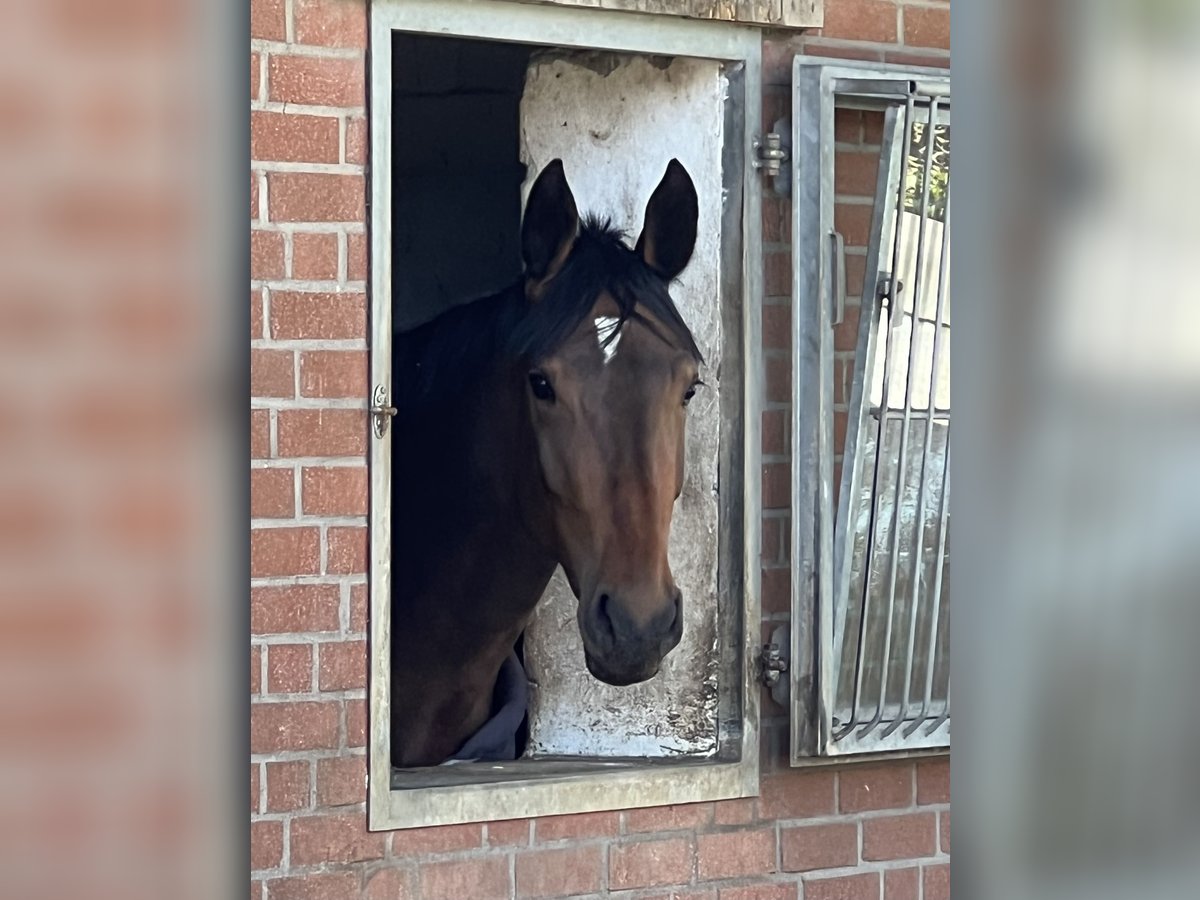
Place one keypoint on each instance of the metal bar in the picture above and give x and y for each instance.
(937, 591)
(901, 469)
(919, 537)
(870, 307)
(879, 444)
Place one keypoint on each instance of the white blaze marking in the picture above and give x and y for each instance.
(605, 326)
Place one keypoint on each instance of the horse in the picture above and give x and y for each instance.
(542, 426)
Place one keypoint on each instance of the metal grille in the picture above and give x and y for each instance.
(890, 636)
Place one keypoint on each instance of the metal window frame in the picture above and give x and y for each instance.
(479, 792)
(819, 87)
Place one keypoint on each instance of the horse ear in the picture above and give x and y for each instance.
(669, 233)
(550, 225)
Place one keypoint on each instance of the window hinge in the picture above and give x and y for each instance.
(771, 151)
(773, 662)
(381, 411)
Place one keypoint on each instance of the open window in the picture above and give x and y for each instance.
(470, 102)
(871, 420)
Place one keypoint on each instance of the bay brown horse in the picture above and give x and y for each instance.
(538, 427)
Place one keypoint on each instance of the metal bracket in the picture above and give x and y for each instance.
(381, 411)
(773, 662)
(771, 151)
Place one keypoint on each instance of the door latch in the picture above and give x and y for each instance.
(381, 411)
(773, 663)
(771, 151)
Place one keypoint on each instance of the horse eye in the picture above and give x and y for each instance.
(540, 386)
(691, 392)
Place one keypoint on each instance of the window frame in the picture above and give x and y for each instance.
(818, 88)
(526, 788)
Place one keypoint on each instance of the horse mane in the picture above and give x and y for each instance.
(449, 352)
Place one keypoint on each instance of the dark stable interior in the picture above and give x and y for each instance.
(456, 179)
(456, 171)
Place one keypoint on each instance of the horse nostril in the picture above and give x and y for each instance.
(603, 620)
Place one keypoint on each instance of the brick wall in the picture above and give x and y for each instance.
(879, 832)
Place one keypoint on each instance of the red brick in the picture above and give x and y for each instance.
(293, 137)
(484, 877)
(941, 61)
(847, 125)
(272, 493)
(787, 891)
(937, 882)
(779, 379)
(693, 894)
(267, 20)
(294, 608)
(315, 255)
(255, 787)
(819, 847)
(347, 552)
(508, 833)
(304, 725)
(855, 269)
(735, 854)
(333, 373)
(301, 316)
(358, 607)
(772, 540)
(944, 830)
(317, 886)
(901, 884)
(266, 254)
(343, 666)
(900, 837)
(848, 887)
(356, 723)
(289, 668)
(341, 838)
(777, 274)
(776, 220)
(875, 787)
(927, 26)
(331, 23)
(322, 432)
(861, 20)
(390, 884)
(260, 434)
(845, 334)
(356, 257)
(682, 816)
(841, 420)
(334, 491)
(872, 127)
(933, 781)
(287, 785)
(341, 780)
(796, 795)
(356, 141)
(271, 373)
(559, 873)
(650, 863)
(853, 221)
(777, 327)
(254, 211)
(255, 75)
(255, 669)
(266, 844)
(733, 812)
(583, 825)
(775, 425)
(284, 551)
(776, 590)
(778, 54)
(418, 842)
(315, 197)
(776, 489)
(853, 173)
(315, 81)
(256, 314)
